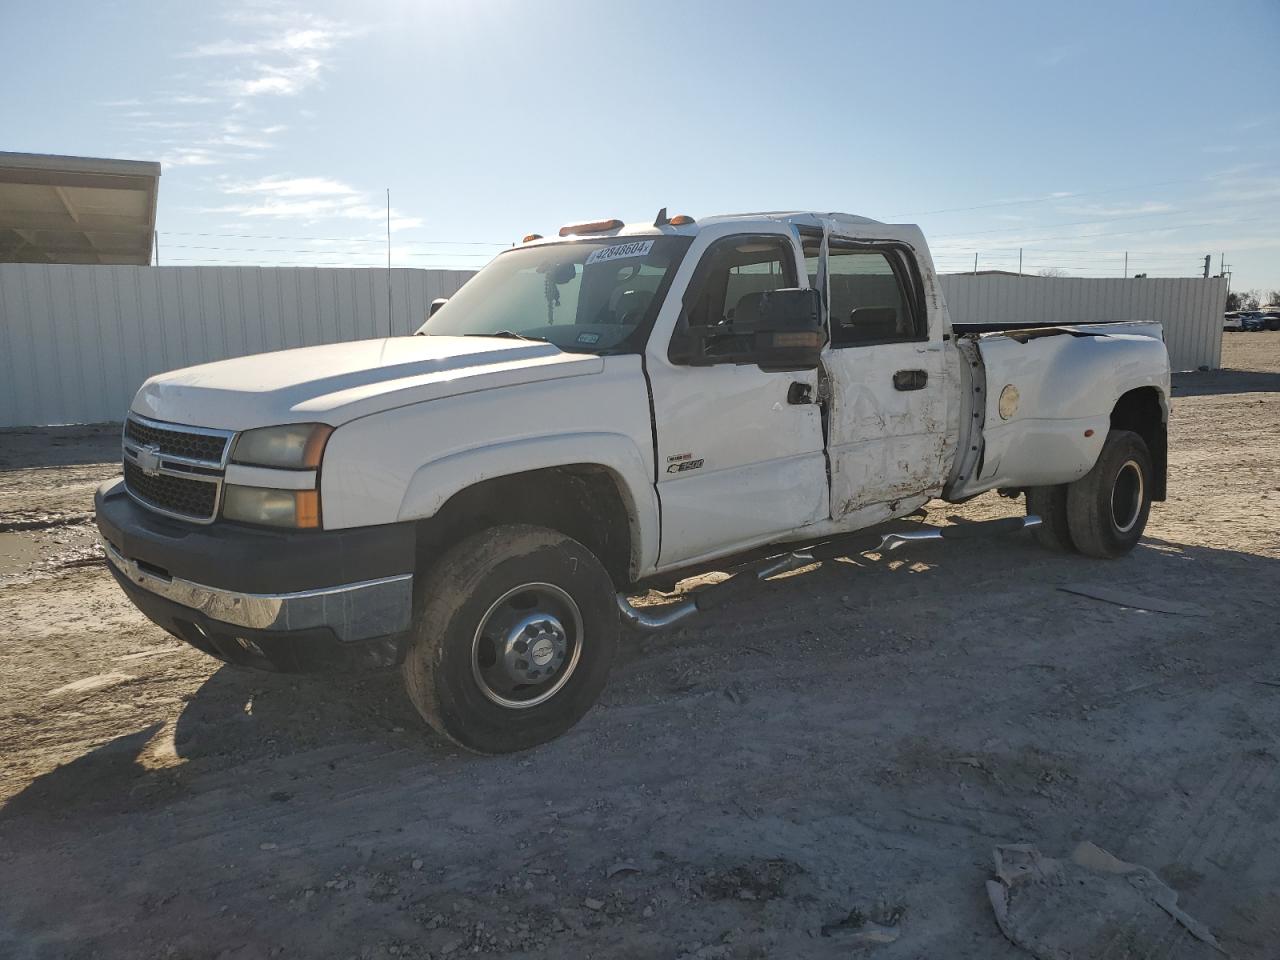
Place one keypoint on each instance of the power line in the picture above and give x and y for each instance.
(263, 236)
(1051, 197)
(305, 263)
(1110, 219)
(354, 253)
(1128, 233)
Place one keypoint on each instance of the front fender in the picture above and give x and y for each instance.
(435, 482)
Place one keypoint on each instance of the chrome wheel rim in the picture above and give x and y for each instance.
(527, 645)
(1127, 496)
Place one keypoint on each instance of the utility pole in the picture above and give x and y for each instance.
(1019, 261)
(155, 235)
(1207, 259)
(1126, 264)
(975, 263)
(390, 322)
(1222, 265)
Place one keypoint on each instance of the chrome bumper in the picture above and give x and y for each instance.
(353, 611)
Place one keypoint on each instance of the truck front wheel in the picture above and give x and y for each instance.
(1107, 508)
(516, 634)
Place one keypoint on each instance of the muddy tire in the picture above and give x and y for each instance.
(514, 639)
(1107, 508)
(1050, 505)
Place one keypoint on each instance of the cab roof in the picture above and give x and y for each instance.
(842, 222)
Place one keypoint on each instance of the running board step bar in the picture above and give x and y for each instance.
(719, 594)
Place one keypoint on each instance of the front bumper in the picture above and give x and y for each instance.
(280, 600)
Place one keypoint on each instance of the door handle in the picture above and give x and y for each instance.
(910, 379)
(799, 393)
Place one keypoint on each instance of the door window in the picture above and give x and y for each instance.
(868, 302)
(731, 269)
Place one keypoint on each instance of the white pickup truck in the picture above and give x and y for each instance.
(595, 412)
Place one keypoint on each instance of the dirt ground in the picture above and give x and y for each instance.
(820, 771)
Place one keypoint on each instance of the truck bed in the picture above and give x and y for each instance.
(1141, 328)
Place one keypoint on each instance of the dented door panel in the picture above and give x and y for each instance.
(886, 443)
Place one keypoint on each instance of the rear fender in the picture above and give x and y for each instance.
(1058, 393)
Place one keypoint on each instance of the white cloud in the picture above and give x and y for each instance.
(189, 157)
(1116, 211)
(293, 187)
(276, 51)
(286, 57)
(286, 80)
(308, 199)
(187, 99)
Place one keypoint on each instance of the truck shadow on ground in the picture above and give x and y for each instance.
(276, 730)
(236, 718)
(1224, 382)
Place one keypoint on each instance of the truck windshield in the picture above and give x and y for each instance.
(584, 296)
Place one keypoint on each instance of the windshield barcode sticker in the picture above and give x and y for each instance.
(620, 251)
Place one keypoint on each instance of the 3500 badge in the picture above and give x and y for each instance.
(682, 467)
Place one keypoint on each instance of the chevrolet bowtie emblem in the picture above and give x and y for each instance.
(148, 460)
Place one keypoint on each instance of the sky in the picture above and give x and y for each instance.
(1075, 133)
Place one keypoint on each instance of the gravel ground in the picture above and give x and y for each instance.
(820, 771)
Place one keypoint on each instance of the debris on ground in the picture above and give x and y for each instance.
(1087, 906)
(1133, 601)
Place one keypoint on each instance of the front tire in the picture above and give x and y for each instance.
(1107, 508)
(515, 638)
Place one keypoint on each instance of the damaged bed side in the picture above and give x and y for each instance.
(1033, 411)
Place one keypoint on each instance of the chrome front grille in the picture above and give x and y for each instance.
(174, 469)
(196, 447)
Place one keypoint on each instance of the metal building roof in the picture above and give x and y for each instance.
(76, 209)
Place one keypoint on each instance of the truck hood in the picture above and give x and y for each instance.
(339, 382)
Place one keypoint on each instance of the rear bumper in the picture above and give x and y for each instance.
(280, 600)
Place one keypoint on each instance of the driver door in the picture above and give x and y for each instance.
(740, 458)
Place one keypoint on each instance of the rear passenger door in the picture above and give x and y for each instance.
(888, 400)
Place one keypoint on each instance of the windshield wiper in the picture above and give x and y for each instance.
(508, 335)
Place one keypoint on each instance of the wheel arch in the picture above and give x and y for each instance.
(589, 489)
(1145, 411)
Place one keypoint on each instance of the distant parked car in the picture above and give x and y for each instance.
(1251, 321)
(1271, 317)
(1231, 321)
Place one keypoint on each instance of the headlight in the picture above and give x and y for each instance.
(296, 446)
(275, 508)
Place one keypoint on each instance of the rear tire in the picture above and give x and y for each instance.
(1050, 505)
(1107, 508)
(514, 641)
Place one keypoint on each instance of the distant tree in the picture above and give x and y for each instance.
(1249, 299)
(1051, 272)
(1233, 301)
(1274, 297)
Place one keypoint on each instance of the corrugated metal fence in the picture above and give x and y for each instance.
(77, 341)
(1190, 309)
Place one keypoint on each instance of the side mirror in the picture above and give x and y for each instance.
(436, 304)
(785, 326)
